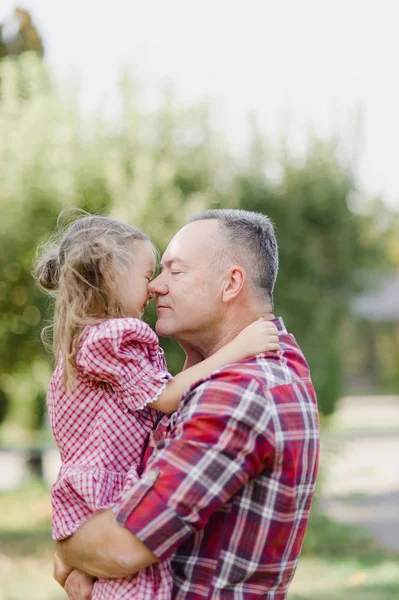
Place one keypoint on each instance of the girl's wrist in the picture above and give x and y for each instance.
(231, 352)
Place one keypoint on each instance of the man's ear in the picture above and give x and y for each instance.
(233, 283)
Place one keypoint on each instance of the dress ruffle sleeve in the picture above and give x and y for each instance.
(125, 354)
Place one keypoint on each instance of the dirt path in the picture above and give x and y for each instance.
(361, 465)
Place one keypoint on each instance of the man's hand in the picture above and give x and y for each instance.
(60, 570)
(102, 548)
(77, 585)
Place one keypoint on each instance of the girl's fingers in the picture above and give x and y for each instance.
(273, 339)
(268, 326)
(273, 347)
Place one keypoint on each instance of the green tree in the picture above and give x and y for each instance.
(321, 248)
(45, 166)
(153, 169)
(150, 169)
(18, 34)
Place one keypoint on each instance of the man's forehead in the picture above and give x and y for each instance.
(169, 259)
(176, 252)
(192, 239)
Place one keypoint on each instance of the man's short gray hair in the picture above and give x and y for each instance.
(252, 243)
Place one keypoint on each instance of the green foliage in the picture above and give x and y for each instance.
(343, 561)
(153, 169)
(374, 361)
(4, 405)
(327, 538)
(320, 247)
(44, 167)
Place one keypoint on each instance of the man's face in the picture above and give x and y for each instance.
(188, 290)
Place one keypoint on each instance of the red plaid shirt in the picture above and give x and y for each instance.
(227, 493)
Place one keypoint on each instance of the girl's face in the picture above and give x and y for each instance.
(133, 285)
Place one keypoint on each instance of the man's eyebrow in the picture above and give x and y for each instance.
(171, 261)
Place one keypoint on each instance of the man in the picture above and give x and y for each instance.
(227, 493)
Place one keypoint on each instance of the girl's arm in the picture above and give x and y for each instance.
(260, 336)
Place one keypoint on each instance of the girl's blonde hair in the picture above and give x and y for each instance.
(79, 271)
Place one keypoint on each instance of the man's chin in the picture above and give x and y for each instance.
(164, 330)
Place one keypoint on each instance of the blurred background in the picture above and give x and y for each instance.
(151, 111)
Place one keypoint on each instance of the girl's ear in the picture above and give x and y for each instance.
(233, 283)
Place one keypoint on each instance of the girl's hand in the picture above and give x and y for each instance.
(260, 336)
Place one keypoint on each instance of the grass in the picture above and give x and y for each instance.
(364, 418)
(26, 567)
(338, 562)
(352, 579)
(343, 562)
(26, 548)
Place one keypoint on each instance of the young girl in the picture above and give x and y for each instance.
(111, 378)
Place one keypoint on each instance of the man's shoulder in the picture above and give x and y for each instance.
(235, 389)
(267, 371)
(261, 373)
(240, 373)
(252, 376)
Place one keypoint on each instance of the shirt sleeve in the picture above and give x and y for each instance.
(223, 438)
(125, 354)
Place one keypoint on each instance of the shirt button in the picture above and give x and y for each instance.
(151, 476)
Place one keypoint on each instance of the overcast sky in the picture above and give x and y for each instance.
(295, 64)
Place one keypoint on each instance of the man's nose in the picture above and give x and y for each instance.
(157, 286)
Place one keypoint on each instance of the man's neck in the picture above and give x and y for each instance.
(228, 331)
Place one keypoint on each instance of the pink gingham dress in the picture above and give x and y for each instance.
(101, 429)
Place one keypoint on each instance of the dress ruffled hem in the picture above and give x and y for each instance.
(81, 491)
